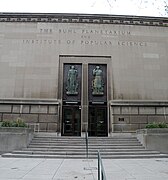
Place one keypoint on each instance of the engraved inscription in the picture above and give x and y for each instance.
(47, 31)
(86, 31)
(82, 42)
(43, 41)
(131, 43)
(106, 32)
(84, 37)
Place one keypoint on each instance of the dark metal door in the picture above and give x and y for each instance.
(97, 121)
(71, 125)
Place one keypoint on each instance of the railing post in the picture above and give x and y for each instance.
(86, 136)
(98, 165)
(101, 172)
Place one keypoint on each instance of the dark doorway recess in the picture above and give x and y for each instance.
(97, 125)
(71, 124)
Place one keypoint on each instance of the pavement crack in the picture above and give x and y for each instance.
(33, 168)
(58, 168)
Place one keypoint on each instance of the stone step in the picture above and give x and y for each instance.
(99, 146)
(90, 147)
(91, 142)
(82, 144)
(84, 153)
(12, 155)
(47, 146)
(114, 135)
(84, 149)
(89, 138)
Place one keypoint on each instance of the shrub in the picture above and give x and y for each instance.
(6, 124)
(157, 125)
(17, 123)
(163, 125)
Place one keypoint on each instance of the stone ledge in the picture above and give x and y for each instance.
(154, 139)
(153, 131)
(15, 130)
(12, 138)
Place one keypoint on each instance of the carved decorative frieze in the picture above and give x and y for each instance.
(81, 18)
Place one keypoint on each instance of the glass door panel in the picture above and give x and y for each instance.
(97, 121)
(71, 121)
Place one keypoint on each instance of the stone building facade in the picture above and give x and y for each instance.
(71, 73)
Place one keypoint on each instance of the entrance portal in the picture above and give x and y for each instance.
(97, 121)
(83, 92)
(71, 121)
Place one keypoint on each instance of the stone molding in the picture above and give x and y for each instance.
(151, 103)
(29, 101)
(83, 18)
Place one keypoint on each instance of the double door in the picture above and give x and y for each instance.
(97, 121)
(84, 86)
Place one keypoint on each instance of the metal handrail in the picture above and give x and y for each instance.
(101, 172)
(87, 147)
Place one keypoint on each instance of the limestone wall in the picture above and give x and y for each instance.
(128, 116)
(34, 48)
(44, 114)
(30, 57)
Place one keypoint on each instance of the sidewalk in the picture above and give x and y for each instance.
(81, 169)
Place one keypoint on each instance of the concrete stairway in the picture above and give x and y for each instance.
(49, 146)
